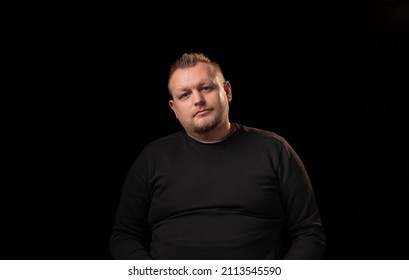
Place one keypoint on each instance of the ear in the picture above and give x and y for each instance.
(172, 106)
(228, 90)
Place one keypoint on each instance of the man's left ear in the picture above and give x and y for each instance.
(227, 88)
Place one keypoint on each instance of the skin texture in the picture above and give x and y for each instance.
(200, 101)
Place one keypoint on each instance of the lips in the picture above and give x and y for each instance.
(200, 112)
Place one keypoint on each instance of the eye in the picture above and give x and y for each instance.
(184, 95)
(206, 89)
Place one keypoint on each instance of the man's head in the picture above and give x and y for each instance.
(200, 95)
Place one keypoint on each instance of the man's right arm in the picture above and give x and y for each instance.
(130, 237)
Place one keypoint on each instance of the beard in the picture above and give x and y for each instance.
(207, 126)
(204, 128)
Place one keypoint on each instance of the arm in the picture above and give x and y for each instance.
(131, 232)
(304, 227)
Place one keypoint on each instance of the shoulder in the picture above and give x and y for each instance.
(163, 147)
(260, 134)
(166, 141)
(265, 140)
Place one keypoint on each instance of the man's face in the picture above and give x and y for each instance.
(200, 100)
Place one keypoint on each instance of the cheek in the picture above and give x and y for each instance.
(179, 111)
(183, 108)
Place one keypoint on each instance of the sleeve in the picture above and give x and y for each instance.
(305, 231)
(130, 236)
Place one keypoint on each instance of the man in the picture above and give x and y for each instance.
(216, 189)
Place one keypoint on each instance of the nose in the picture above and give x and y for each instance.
(198, 98)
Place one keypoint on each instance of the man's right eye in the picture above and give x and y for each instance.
(184, 95)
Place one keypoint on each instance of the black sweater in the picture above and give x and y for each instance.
(247, 197)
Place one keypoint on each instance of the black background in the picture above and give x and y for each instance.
(86, 90)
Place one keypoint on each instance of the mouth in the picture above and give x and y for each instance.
(201, 112)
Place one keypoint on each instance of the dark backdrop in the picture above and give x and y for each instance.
(87, 90)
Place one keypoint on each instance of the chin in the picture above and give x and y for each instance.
(204, 127)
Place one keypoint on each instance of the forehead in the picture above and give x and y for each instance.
(201, 72)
